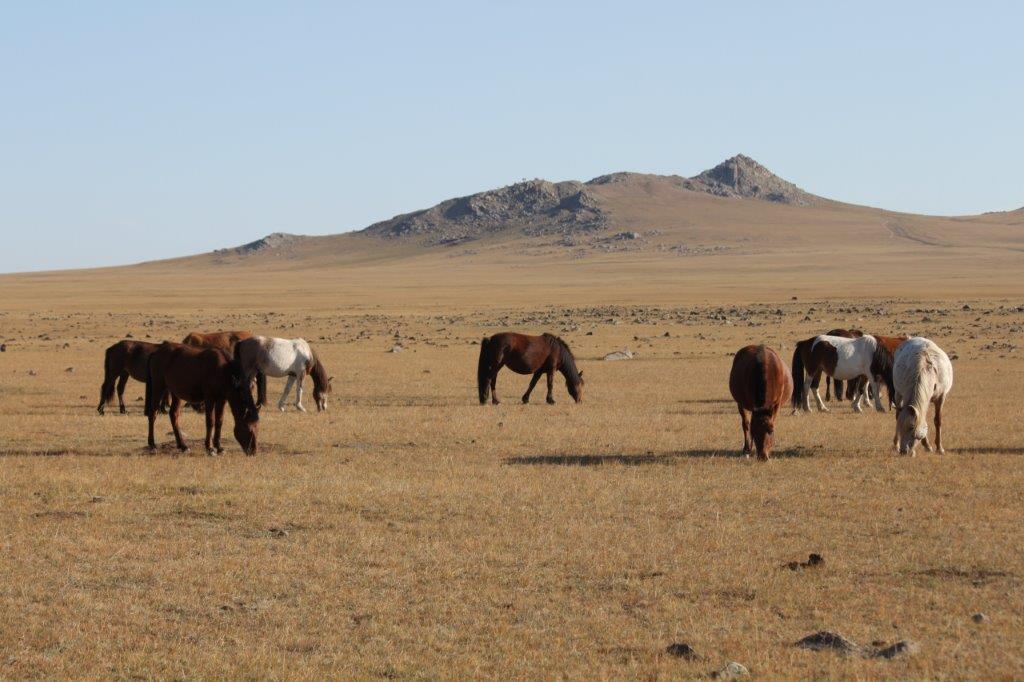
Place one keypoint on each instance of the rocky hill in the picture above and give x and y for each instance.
(744, 178)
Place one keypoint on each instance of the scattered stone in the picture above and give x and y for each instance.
(812, 560)
(32, 373)
(624, 354)
(731, 671)
(3, 347)
(901, 648)
(827, 641)
(979, 618)
(279, 532)
(966, 307)
(396, 349)
(682, 650)
(70, 370)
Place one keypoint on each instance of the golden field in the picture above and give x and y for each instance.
(411, 533)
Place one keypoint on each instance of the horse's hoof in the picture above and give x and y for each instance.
(495, 402)
(550, 401)
(183, 449)
(210, 452)
(526, 401)
(281, 408)
(300, 408)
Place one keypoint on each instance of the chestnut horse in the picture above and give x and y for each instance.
(205, 376)
(526, 354)
(761, 384)
(222, 340)
(124, 359)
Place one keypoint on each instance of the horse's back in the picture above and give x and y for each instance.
(913, 357)
(760, 378)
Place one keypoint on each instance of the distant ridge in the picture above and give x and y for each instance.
(742, 177)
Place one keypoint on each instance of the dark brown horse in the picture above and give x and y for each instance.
(205, 376)
(525, 354)
(125, 359)
(760, 383)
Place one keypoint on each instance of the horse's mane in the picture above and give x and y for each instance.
(318, 371)
(566, 361)
(760, 381)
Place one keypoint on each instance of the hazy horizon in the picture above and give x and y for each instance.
(137, 133)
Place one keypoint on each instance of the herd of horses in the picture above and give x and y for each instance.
(211, 370)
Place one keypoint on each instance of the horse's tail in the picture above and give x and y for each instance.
(107, 388)
(799, 390)
(483, 379)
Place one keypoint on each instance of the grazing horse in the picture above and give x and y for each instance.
(852, 387)
(760, 383)
(922, 374)
(222, 340)
(124, 359)
(264, 356)
(843, 359)
(207, 376)
(891, 344)
(526, 354)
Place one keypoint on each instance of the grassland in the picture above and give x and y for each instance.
(409, 532)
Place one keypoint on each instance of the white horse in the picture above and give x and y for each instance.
(263, 356)
(840, 358)
(922, 374)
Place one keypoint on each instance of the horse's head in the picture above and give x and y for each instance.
(320, 394)
(910, 428)
(576, 387)
(762, 430)
(243, 407)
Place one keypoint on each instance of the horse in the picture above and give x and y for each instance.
(294, 358)
(222, 340)
(852, 387)
(760, 383)
(891, 344)
(526, 354)
(922, 374)
(124, 359)
(210, 377)
(843, 359)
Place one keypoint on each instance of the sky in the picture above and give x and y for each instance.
(133, 131)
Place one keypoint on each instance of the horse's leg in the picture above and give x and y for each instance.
(208, 409)
(494, 385)
(218, 421)
(938, 425)
(121, 381)
(745, 424)
(828, 389)
(813, 386)
(533, 382)
(837, 389)
(175, 414)
(551, 387)
(873, 382)
(152, 418)
(287, 389)
(298, 393)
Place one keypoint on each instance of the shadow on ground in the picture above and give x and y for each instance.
(647, 458)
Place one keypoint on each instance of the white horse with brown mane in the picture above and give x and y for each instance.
(292, 358)
(922, 374)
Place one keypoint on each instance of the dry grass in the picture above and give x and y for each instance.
(410, 532)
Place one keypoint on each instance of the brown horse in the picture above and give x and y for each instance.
(205, 376)
(760, 383)
(124, 359)
(525, 354)
(222, 340)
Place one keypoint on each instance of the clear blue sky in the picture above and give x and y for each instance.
(209, 124)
